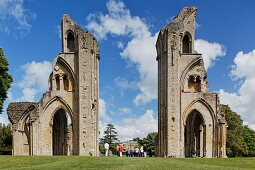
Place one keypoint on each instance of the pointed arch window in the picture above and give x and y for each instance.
(186, 44)
(70, 42)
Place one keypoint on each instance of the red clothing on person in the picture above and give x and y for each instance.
(121, 149)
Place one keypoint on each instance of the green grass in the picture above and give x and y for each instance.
(79, 162)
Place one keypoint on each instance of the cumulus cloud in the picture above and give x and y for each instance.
(209, 51)
(242, 101)
(13, 15)
(35, 79)
(128, 128)
(142, 52)
(102, 111)
(137, 127)
(139, 50)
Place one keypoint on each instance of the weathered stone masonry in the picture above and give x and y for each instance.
(189, 117)
(65, 121)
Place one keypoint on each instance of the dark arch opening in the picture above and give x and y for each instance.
(60, 133)
(57, 82)
(186, 44)
(195, 135)
(70, 42)
(66, 82)
(194, 84)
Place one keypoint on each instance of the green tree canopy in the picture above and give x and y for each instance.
(149, 141)
(5, 79)
(110, 135)
(236, 145)
(249, 138)
(5, 136)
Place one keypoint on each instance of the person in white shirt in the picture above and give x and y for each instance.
(106, 147)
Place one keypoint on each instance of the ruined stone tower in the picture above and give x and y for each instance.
(189, 117)
(65, 121)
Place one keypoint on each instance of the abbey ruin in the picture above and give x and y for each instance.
(65, 121)
(189, 117)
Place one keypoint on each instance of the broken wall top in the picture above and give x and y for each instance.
(18, 110)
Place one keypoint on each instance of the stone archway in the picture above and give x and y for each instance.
(195, 134)
(60, 133)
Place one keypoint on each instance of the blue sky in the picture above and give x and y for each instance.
(127, 31)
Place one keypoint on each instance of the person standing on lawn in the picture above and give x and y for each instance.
(121, 149)
(145, 150)
(106, 147)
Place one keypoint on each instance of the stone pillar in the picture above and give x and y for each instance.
(61, 84)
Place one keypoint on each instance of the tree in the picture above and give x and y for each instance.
(5, 79)
(110, 136)
(139, 141)
(150, 142)
(5, 139)
(249, 138)
(236, 145)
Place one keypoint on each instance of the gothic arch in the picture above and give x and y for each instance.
(208, 127)
(187, 43)
(193, 104)
(24, 128)
(68, 68)
(62, 105)
(46, 119)
(189, 67)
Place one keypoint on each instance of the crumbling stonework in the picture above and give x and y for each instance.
(65, 121)
(189, 117)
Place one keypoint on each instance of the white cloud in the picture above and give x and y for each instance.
(117, 22)
(244, 65)
(9, 95)
(29, 94)
(128, 128)
(102, 111)
(137, 127)
(13, 15)
(35, 79)
(125, 110)
(209, 51)
(123, 84)
(120, 45)
(102, 127)
(242, 102)
(139, 50)
(4, 120)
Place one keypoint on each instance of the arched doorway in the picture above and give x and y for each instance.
(60, 132)
(195, 134)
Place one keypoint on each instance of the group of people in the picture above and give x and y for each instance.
(137, 152)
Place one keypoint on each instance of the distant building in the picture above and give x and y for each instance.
(129, 145)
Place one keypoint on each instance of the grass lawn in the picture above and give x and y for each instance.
(79, 162)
